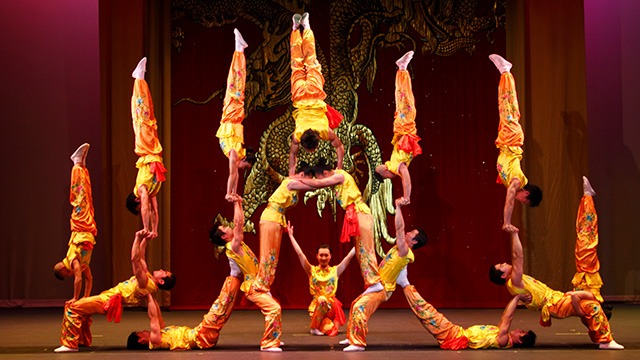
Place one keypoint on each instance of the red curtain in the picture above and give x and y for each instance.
(455, 198)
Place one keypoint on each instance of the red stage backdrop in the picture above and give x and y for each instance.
(455, 197)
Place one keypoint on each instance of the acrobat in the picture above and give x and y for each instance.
(314, 119)
(231, 131)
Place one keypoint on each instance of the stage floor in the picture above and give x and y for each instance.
(34, 333)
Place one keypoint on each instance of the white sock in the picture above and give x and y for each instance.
(402, 279)
(611, 345)
(234, 269)
(296, 21)
(354, 348)
(305, 21)
(404, 60)
(374, 288)
(240, 43)
(587, 188)
(501, 64)
(138, 73)
(79, 156)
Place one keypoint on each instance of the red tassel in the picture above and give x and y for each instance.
(158, 170)
(458, 343)
(113, 307)
(334, 117)
(350, 226)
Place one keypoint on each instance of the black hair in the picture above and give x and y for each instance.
(324, 246)
(309, 139)
(58, 276)
(133, 344)
(169, 282)
(132, 204)
(322, 166)
(250, 155)
(304, 167)
(421, 239)
(495, 276)
(527, 340)
(215, 236)
(535, 194)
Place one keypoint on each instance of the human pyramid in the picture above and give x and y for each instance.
(314, 121)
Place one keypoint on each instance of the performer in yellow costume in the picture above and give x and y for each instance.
(358, 221)
(509, 141)
(552, 303)
(231, 131)
(83, 228)
(394, 262)
(76, 322)
(313, 117)
(151, 171)
(587, 275)
(325, 309)
(405, 138)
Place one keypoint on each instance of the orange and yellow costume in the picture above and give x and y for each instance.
(587, 276)
(325, 309)
(231, 132)
(510, 135)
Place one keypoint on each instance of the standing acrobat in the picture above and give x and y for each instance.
(231, 132)
(405, 138)
(509, 141)
(83, 228)
(147, 146)
(325, 309)
(313, 117)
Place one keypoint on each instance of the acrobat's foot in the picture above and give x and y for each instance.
(611, 345)
(316, 332)
(271, 349)
(296, 21)
(63, 348)
(586, 186)
(501, 64)
(404, 60)
(240, 43)
(305, 21)
(353, 348)
(344, 342)
(80, 155)
(138, 73)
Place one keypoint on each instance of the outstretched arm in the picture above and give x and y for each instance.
(238, 225)
(517, 260)
(343, 264)
(293, 155)
(88, 281)
(507, 318)
(336, 143)
(508, 205)
(332, 180)
(303, 259)
(403, 248)
(155, 321)
(406, 183)
(232, 181)
(138, 263)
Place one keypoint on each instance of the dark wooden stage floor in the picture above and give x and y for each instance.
(34, 333)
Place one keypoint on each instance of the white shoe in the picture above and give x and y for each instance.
(501, 64)
(240, 43)
(586, 186)
(272, 349)
(296, 21)
(64, 349)
(353, 348)
(344, 342)
(374, 288)
(138, 73)
(305, 21)
(404, 60)
(79, 156)
(316, 332)
(611, 345)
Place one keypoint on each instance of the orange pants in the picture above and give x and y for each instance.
(435, 323)
(595, 320)
(404, 121)
(145, 126)
(365, 251)
(272, 312)
(587, 263)
(208, 330)
(361, 310)
(233, 106)
(76, 322)
(509, 131)
(307, 81)
(82, 201)
(325, 317)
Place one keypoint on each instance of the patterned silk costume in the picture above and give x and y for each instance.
(587, 276)
(147, 145)
(231, 133)
(405, 138)
(510, 135)
(358, 222)
(76, 323)
(83, 225)
(325, 309)
(248, 264)
(365, 305)
(205, 335)
(556, 304)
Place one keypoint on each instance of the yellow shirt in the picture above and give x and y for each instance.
(483, 337)
(76, 251)
(279, 202)
(231, 137)
(176, 338)
(322, 283)
(348, 193)
(128, 289)
(508, 165)
(146, 177)
(391, 266)
(310, 114)
(542, 295)
(248, 263)
(398, 157)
